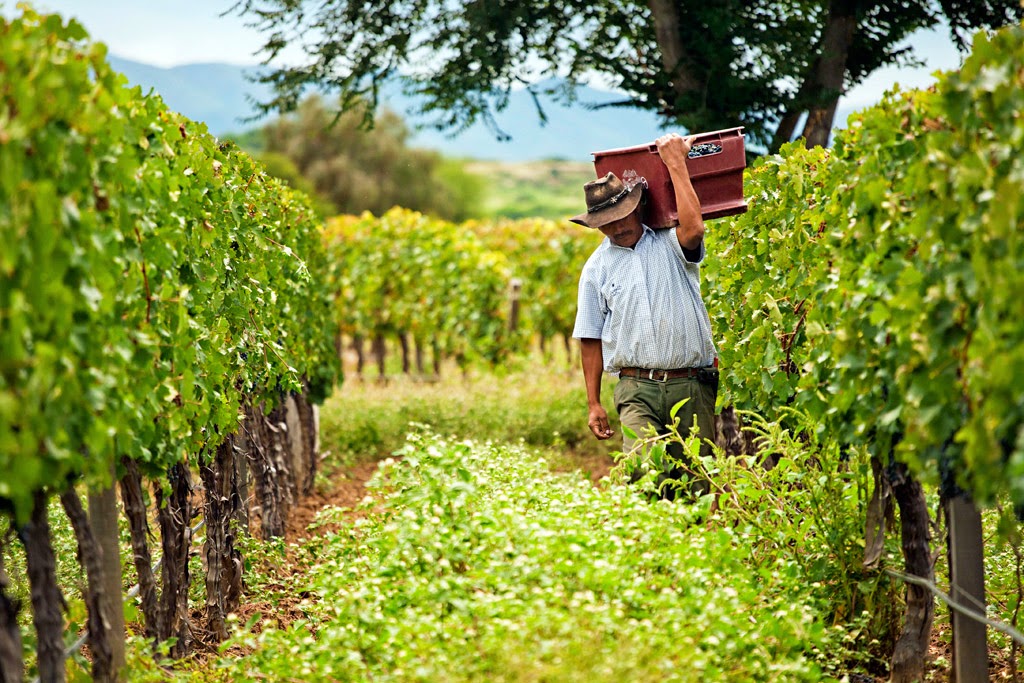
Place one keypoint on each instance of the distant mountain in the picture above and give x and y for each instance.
(220, 95)
(214, 94)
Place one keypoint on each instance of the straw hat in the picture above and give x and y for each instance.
(608, 200)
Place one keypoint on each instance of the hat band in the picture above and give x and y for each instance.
(608, 202)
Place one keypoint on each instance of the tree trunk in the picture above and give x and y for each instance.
(436, 357)
(223, 560)
(240, 454)
(138, 525)
(261, 463)
(784, 132)
(804, 96)
(403, 340)
(357, 346)
(418, 345)
(47, 600)
(908, 657)
(380, 354)
(729, 434)
(307, 418)
(280, 450)
(90, 556)
(673, 50)
(11, 664)
(103, 517)
(175, 516)
(296, 452)
(830, 70)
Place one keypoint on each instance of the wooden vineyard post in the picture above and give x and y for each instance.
(513, 314)
(967, 588)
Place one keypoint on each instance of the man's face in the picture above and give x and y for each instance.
(624, 232)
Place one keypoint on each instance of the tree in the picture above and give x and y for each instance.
(860, 36)
(353, 170)
(282, 167)
(702, 65)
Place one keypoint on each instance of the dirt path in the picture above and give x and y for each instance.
(347, 488)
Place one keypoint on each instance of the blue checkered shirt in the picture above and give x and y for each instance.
(644, 304)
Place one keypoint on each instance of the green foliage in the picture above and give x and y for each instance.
(876, 286)
(372, 170)
(405, 272)
(154, 276)
(283, 168)
(461, 190)
(547, 258)
(481, 564)
(799, 498)
(451, 285)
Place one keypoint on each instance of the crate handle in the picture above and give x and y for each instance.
(704, 149)
(699, 149)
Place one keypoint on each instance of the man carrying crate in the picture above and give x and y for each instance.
(640, 313)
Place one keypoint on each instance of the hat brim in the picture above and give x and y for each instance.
(615, 212)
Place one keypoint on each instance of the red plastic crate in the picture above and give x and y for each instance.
(716, 170)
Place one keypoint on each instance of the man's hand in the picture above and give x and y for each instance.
(598, 423)
(673, 149)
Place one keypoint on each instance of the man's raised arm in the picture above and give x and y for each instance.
(673, 149)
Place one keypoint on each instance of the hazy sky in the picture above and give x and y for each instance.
(173, 32)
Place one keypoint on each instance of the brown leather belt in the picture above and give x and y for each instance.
(658, 375)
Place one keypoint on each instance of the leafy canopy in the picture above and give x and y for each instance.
(701, 65)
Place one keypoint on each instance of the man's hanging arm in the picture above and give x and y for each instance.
(593, 367)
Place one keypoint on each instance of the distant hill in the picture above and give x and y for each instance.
(221, 96)
(214, 94)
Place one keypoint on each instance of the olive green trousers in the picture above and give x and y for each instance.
(644, 404)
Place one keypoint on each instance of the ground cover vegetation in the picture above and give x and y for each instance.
(797, 527)
(482, 564)
(164, 287)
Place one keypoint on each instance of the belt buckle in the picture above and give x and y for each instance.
(664, 375)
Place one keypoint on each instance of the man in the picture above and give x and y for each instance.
(640, 312)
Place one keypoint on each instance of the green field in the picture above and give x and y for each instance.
(535, 189)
